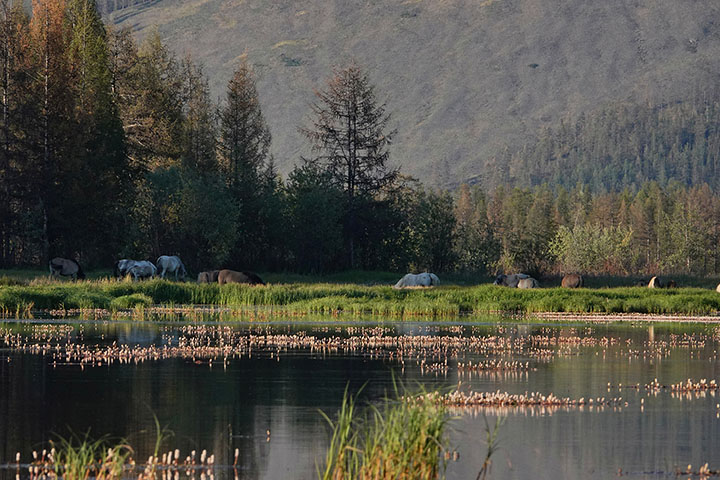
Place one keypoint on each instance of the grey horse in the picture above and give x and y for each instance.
(510, 280)
(528, 283)
(171, 264)
(138, 269)
(65, 267)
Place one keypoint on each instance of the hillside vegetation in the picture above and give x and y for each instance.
(621, 146)
(463, 78)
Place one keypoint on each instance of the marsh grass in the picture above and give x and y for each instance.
(79, 458)
(354, 299)
(398, 440)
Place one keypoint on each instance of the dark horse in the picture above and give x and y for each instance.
(66, 267)
(231, 276)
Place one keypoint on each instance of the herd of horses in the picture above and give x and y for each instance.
(172, 265)
(572, 280)
(165, 266)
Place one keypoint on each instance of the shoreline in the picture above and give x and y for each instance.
(272, 313)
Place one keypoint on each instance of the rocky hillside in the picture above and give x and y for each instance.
(463, 78)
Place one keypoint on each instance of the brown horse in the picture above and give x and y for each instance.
(66, 267)
(208, 277)
(572, 280)
(231, 276)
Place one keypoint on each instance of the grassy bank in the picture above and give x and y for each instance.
(330, 298)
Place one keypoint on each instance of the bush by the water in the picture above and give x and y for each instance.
(130, 301)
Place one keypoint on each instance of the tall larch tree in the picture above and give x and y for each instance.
(349, 136)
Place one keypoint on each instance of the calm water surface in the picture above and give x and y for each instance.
(221, 407)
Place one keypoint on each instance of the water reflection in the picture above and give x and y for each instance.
(233, 405)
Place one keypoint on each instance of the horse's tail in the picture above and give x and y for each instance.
(116, 269)
(80, 274)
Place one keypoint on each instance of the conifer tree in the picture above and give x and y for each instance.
(350, 138)
(97, 164)
(244, 144)
(15, 158)
(244, 134)
(199, 119)
(50, 37)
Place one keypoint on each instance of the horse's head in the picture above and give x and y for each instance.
(500, 279)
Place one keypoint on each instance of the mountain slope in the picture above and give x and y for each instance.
(463, 78)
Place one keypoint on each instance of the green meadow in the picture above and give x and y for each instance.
(353, 294)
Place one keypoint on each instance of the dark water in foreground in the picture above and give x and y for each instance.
(223, 407)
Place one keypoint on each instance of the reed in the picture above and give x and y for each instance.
(491, 440)
(398, 440)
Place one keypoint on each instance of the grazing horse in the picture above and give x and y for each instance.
(417, 280)
(138, 269)
(66, 267)
(171, 264)
(231, 276)
(121, 267)
(142, 269)
(208, 277)
(655, 282)
(572, 280)
(528, 283)
(510, 280)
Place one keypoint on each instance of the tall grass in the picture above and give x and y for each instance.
(82, 459)
(326, 298)
(400, 440)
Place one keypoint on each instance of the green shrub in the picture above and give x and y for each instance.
(131, 301)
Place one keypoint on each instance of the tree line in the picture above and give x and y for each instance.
(113, 149)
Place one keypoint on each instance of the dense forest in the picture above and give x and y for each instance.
(112, 149)
(620, 146)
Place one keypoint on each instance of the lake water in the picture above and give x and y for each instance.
(277, 377)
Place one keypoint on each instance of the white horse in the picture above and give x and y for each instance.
(142, 269)
(171, 264)
(418, 280)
